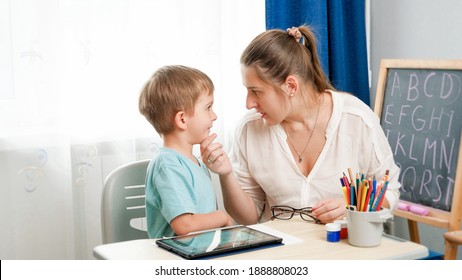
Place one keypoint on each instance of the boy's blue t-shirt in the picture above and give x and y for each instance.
(175, 185)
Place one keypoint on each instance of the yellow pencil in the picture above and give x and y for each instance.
(346, 196)
(363, 195)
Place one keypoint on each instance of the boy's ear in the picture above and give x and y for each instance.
(180, 120)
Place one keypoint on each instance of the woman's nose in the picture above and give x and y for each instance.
(250, 102)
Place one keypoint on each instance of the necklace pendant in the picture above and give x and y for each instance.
(299, 159)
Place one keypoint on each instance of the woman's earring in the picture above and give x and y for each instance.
(290, 91)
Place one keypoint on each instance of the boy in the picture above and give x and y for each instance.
(177, 101)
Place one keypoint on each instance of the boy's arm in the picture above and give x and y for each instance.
(188, 222)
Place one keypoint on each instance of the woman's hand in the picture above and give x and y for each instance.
(214, 156)
(330, 210)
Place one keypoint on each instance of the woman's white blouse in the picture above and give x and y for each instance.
(267, 171)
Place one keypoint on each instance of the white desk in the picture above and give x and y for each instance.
(306, 241)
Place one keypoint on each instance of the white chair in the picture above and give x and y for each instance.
(123, 203)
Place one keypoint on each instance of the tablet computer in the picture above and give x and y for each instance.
(217, 241)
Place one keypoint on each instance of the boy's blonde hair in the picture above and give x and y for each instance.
(172, 89)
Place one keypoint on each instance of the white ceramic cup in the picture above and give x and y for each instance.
(365, 229)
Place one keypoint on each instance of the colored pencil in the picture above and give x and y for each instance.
(363, 196)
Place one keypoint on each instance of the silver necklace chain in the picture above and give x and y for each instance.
(309, 139)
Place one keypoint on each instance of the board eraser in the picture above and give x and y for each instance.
(418, 210)
(403, 206)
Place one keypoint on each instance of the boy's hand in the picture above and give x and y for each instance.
(214, 157)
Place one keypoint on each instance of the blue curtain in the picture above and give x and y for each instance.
(340, 29)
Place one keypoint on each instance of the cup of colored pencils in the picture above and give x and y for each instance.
(364, 194)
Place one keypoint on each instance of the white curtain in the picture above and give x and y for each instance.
(70, 75)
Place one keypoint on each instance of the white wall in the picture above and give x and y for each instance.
(415, 29)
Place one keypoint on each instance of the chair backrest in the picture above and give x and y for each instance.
(123, 202)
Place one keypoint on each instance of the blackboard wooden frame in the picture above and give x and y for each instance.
(450, 220)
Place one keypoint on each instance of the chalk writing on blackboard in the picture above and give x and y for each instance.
(422, 119)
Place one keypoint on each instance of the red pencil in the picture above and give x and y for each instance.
(382, 197)
(368, 196)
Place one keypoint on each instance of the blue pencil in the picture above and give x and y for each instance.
(379, 197)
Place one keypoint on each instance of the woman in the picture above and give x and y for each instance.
(299, 137)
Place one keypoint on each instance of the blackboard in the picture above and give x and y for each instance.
(422, 117)
(419, 103)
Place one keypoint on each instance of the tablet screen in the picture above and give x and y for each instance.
(217, 241)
